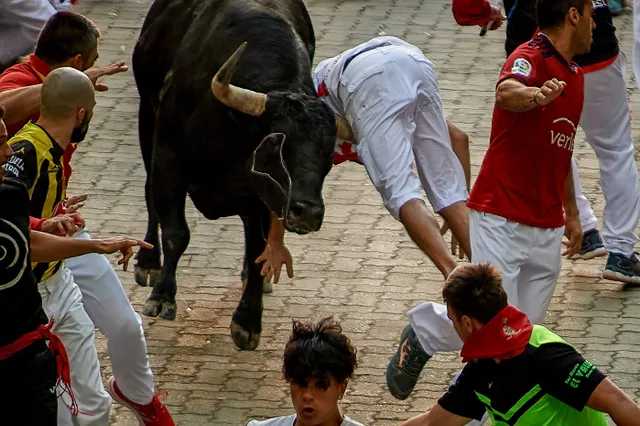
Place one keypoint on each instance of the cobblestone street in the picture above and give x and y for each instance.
(361, 266)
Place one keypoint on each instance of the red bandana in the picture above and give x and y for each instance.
(505, 336)
(344, 150)
(43, 332)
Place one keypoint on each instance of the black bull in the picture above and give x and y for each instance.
(228, 115)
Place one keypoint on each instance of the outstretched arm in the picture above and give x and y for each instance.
(608, 398)
(48, 248)
(275, 254)
(437, 416)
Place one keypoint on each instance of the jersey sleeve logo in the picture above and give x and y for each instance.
(521, 66)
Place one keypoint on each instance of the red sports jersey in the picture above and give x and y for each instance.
(523, 173)
(29, 73)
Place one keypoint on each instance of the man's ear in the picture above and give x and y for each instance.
(80, 115)
(574, 15)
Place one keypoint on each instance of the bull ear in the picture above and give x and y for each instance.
(268, 162)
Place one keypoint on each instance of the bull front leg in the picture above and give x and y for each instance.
(246, 324)
(169, 192)
(147, 268)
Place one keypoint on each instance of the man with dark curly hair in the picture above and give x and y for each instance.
(318, 362)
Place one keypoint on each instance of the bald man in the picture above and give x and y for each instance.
(67, 107)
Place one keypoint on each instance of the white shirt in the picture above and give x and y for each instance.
(289, 421)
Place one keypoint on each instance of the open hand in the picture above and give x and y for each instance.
(456, 248)
(94, 73)
(274, 256)
(65, 224)
(75, 202)
(123, 245)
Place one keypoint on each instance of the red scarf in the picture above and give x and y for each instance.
(505, 336)
(43, 332)
(344, 151)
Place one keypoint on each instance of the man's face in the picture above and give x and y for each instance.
(80, 131)
(315, 405)
(583, 36)
(464, 325)
(5, 150)
(91, 60)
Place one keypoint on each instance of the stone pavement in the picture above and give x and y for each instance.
(361, 266)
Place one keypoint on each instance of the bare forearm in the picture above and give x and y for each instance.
(420, 420)
(48, 247)
(569, 202)
(627, 414)
(276, 230)
(460, 146)
(20, 104)
(512, 95)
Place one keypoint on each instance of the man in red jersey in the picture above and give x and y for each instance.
(523, 199)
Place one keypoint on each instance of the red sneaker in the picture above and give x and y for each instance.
(152, 414)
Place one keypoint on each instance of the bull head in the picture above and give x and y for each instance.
(250, 102)
(269, 166)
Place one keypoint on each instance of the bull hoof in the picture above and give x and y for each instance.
(168, 311)
(152, 308)
(146, 277)
(267, 287)
(244, 340)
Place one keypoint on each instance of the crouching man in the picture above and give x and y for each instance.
(517, 372)
(29, 368)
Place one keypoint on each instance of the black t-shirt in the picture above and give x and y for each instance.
(20, 303)
(555, 372)
(522, 25)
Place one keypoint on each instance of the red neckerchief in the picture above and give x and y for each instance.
(505, 336)
(43, 332)
(346, 149)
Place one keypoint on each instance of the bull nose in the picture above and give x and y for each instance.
(305, 216)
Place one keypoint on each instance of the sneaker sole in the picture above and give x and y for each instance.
(599, 252)
(618, 276)
(119, 400)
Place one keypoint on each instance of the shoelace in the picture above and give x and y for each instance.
(412, 364)
(157, 405)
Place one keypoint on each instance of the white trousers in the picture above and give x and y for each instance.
(62, 301)
(110, 310)
(391, 99)
(21, 22)
(607, 125)
(529, 260)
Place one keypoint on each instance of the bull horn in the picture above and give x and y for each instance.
(238, 98)
(343, 130)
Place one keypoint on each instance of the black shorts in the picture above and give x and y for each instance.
(28, 394)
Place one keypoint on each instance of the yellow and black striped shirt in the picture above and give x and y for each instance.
(38, 163)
